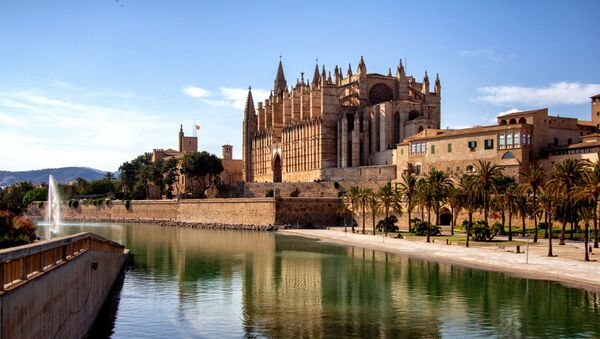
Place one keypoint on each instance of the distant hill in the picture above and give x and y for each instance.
(62, 175)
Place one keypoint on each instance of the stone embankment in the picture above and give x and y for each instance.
(174, 223)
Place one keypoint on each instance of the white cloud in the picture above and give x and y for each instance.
(52, 129)
(227, 96)
(556, 93)
(512, 110)
(196, 92)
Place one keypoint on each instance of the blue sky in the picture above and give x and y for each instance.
(96, 83)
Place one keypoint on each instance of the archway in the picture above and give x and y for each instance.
(445, 217)
(503, 122)
(512, 121)
(277, 169)
(522, 120)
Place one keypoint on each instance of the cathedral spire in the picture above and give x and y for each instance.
(362, 67)
(437, 87)
(349, 71)
(400, 71)
(280, 84)
(425, 88)
(249, 111)
(316, 76)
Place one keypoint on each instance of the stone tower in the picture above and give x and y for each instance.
(227, 152)
(596, 111)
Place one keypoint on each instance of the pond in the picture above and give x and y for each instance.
(189, 283)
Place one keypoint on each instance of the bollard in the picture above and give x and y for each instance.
(518, 249)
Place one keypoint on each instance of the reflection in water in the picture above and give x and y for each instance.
(210, 283)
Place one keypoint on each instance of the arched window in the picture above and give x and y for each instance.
(412, 115)
(501, 140)
(516, 138)
(469, 169)
(420, 129)
(512, 121)
(380, 93)
(396, 128)
(508, 155)
(502, 122)
(509, 138)
(522, 120)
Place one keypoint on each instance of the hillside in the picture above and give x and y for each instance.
(61, 175)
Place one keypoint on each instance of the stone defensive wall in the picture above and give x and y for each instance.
(235, 211)
(56, 288)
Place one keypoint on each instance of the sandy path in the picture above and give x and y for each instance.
(569, 271)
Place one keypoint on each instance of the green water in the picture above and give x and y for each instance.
(187, 283)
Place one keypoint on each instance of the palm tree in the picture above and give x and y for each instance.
(427, 197)
(587, 213)
(534, 179)
(408, 188)
(353, 200)
(565, 176)
(362, 202)
(589, 189)
(485, 178)
(440, 185)
(455, 200)
(547, 204)
(345, 209)
(389, 199)
(471, 199)
(374, 207)
(522, 208)
(509, 192)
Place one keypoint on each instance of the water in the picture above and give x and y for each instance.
(52, 208)
(189, 283)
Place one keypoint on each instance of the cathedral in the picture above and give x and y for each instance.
(333, 124)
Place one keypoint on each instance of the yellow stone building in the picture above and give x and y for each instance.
(327, 128)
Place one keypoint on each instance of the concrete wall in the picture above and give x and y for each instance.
(301, 211)
(63, 302)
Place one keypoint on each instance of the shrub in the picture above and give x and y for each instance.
(127, 204)
(295, 193)
(388, 225)
(15, 230)
(543, 225)
(336, 185)
(269, 193)
(482, 233)
(420, 228)
(36, 194)
(308, 225)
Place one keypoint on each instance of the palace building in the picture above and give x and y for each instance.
(335, 125)
(372, 127)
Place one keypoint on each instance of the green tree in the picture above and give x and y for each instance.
(389, 199)
(408, 189)
(36, 194)
(12, 197)
(170, 172)
(440, 185)
(455, 200)
(471, 199)
(565, 176)
(352, 201)
(201, 167)
(534, 179)
(485, 177)
(374, 207)
(363, 203)
(548, 204)
(589, 189)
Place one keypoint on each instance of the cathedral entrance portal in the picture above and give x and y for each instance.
(277, 169)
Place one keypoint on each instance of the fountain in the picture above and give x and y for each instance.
(53, 207)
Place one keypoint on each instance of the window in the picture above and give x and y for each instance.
(555, 141)
(418, 169)
(449, 148)
(529, 139)
(501, 140)
(488, 144)
(472, 145)
(516, 138)
(448, 169)
(509, 139)
(569, 141)
(524, 137)
(508, 155)
(458, 168)
(469, 169)
(402, 151)
(432, 149)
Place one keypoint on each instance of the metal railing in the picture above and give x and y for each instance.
(22, 263)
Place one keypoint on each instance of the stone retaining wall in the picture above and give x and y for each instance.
(209, 212)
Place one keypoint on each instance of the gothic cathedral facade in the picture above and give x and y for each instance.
(331, 124)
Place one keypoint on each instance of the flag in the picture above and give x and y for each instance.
(198, 126)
